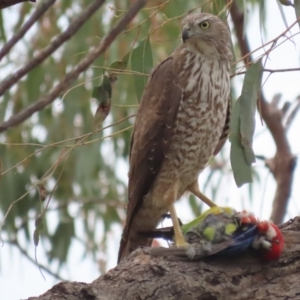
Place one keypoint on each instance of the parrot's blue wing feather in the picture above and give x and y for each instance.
(242, 241)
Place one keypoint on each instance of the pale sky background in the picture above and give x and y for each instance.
(20, 279)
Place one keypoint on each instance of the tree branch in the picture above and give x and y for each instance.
(24, 252)
(72, 75)
(292, 114)
(53, 46)
(20, 33)
(141, 276)
(8, 3)
(283, 163)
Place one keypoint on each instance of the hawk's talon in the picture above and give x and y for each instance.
(180, 241)
(182, 244)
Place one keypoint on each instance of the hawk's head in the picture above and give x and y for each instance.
(205, 33)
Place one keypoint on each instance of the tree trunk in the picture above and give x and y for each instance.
(245, 277)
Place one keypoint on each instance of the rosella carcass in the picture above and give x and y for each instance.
(222, 231)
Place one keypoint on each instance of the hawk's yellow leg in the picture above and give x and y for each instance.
(194, 188)
(179, 239)
(170, 198)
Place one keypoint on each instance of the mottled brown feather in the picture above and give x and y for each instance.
(226, 129)
(156, 122)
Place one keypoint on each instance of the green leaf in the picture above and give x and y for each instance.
(34, 81)
(241, 169)
(61, 240)
(282, 12)
(142, 62)
(121, 64)
(38, 227)
(103, 94)
(219, 10)
(243, 126)
(262, 16)
(297, 9)
(251, 88)
(2, 30)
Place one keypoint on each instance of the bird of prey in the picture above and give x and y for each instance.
(182, 120)
(222, 231)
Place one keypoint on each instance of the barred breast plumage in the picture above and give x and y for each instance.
(201, 112)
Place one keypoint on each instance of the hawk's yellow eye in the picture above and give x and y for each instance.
(204, 25)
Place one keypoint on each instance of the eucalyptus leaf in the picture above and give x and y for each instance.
(121, 64)
(262, 15)
(248, 102)
(103, 94)
(297, 10)
(61, 241)
(243, 125)
(2, 31)
(282, 12)
(241, 169)
(142, 62)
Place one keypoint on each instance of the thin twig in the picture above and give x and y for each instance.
(20, 33)
(8, 3)
(270, 71)
(80, 202)
(57, 144)
(24, 252)
(282, 70)
(73, 75)
(53, 46)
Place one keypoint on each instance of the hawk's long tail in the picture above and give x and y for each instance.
(133, 241)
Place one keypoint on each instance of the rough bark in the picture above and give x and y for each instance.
(245, 277)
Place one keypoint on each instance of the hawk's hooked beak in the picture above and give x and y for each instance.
(185, 34)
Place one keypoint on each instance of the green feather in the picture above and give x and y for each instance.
(216, 210)
(230, 228)
(209, 233)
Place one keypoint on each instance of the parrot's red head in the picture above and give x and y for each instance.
(271, 240)
(246, 217)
